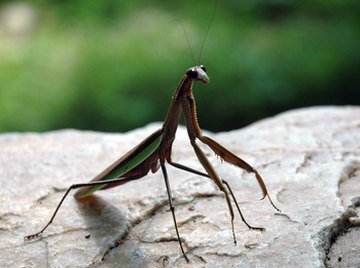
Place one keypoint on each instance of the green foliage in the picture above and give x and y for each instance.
(114, 65)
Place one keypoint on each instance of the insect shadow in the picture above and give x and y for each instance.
(102, 220)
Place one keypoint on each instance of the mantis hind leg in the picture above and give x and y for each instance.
(76, 186)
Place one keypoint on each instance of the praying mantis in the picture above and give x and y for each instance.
(155, 151)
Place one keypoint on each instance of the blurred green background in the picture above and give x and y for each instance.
(113, 65)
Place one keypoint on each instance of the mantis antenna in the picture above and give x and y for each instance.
(207, 32)
(204, 39)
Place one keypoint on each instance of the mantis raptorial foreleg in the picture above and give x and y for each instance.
(231, 158)
(215, 177)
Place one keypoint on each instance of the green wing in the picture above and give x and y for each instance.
(125, 164)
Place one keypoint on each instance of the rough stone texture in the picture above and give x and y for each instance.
(309, 158)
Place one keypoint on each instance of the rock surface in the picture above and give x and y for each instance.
(309, 158)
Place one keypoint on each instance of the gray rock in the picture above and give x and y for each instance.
(309, 158)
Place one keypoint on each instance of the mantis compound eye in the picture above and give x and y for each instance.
(192, 73)
(203, 68)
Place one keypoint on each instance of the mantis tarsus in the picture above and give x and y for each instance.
(155, 150)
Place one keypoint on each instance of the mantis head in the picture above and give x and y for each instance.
(198, 73)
